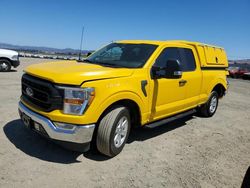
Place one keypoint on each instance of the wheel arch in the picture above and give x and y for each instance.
(220, 89)
(218, 85)
(134, 105)
(5, 58)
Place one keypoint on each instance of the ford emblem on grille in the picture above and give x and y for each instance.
(29, 91)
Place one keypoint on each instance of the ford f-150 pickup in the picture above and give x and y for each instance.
(123, 85)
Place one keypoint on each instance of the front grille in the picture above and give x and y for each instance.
(41, 94)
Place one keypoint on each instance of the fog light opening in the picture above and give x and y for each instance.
(64, 126)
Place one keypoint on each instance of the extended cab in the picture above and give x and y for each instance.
(123, 85)
(8, 59)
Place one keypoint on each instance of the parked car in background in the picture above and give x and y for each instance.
(8, 59)
(237, 72)
(232, 71)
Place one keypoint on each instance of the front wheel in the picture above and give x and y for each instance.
(209, 108)
(113, 131)
(5, 65)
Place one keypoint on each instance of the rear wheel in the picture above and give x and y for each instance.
(209, 108)
(113, 131)
(5, 65)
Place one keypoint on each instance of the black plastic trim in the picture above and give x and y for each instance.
(170, 119)
(15, 63)
(144, 83)
(214, 68)
(46, 96)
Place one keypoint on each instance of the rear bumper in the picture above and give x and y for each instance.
(15, 63)
(80, 134)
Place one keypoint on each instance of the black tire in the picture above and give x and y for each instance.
(105, 140)
(206, 110)
(5, 65)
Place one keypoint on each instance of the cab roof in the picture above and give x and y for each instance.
(158, 42)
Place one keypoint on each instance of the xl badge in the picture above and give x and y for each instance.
(29, 91)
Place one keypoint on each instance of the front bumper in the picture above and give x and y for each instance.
(15, 63)
(81, 134)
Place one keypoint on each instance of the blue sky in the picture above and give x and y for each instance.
(58, 24)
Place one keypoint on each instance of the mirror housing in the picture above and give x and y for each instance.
(172, 69)
(89, 53)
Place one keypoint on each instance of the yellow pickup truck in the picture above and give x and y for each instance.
(123, 85)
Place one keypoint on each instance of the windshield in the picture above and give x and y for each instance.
(123, 55)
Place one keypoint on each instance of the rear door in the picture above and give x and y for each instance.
(191, 76)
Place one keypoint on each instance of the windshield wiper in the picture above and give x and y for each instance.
(88, 61)
(85, 60)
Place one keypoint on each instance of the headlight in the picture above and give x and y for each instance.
(76, 100)
(14, 57)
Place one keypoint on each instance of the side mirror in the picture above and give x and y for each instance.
(173, 69)
(89, 53)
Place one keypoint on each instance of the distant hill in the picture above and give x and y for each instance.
(41, 49)
(241, 61)
(48, 50)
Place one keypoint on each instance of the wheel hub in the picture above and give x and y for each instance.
(213, 104)
(121, 132)
(3, 66)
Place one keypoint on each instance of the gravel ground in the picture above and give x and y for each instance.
(191, 152)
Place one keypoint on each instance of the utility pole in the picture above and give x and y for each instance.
(80, 50)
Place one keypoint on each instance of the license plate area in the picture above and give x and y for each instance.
(33, 125)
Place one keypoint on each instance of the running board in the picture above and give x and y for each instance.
(172, 118)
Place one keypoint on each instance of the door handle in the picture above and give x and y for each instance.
(182, 82)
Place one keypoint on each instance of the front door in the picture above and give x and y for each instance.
(174, 95)
(167, 94)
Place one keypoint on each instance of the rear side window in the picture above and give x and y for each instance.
(184, 55)
(187, 59)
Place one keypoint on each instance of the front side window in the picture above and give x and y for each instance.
(184, 55)
(123, 55)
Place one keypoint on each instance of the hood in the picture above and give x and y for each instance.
(74, 73)
(4, 52)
